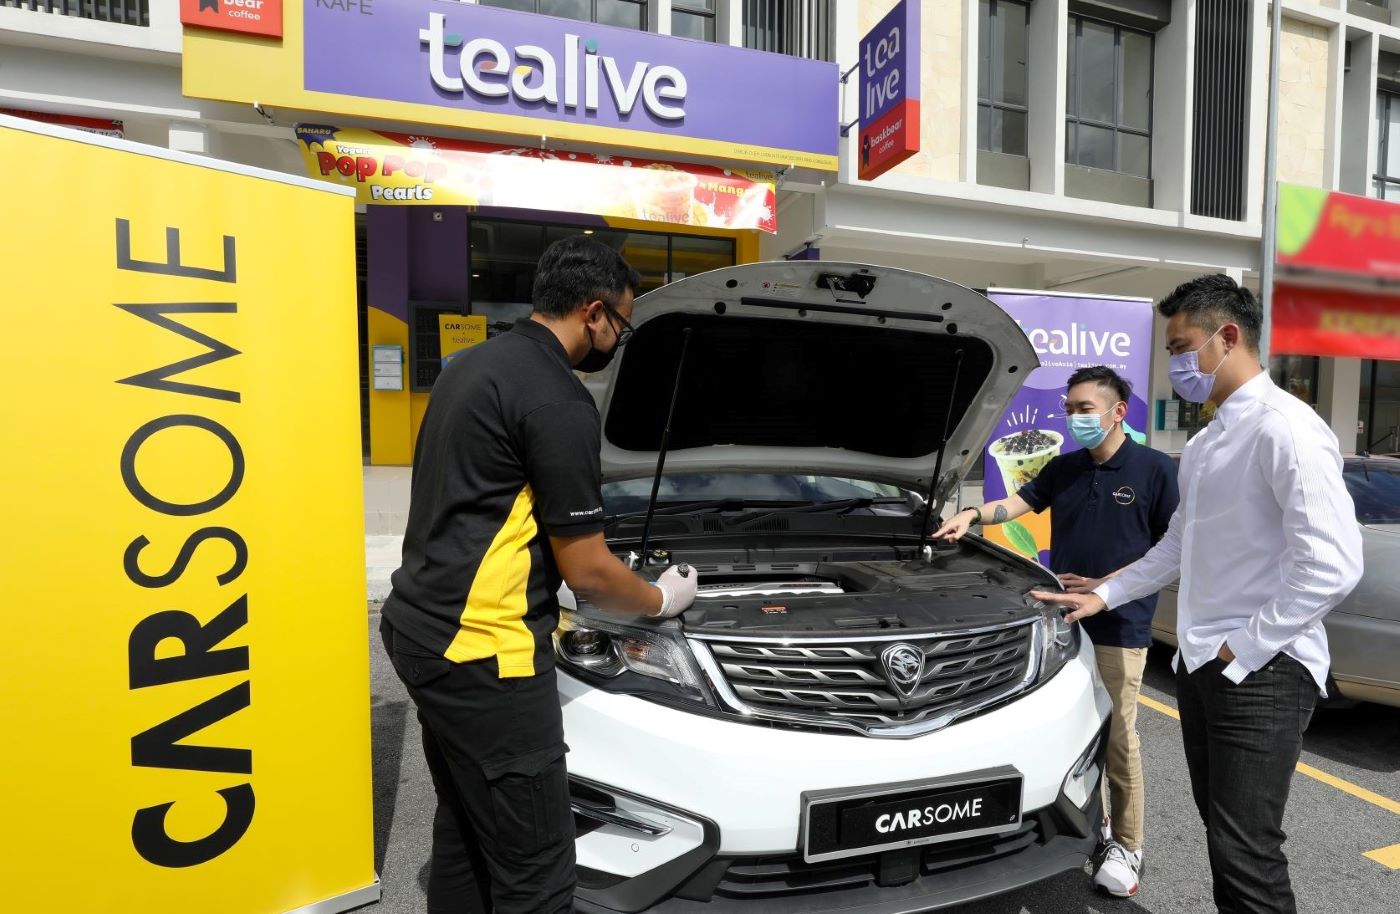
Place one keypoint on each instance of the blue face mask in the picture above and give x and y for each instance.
(1088, 430)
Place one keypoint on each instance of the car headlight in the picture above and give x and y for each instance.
(644, 660)
(1059, 640)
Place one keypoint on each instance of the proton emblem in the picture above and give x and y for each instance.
(904, 667)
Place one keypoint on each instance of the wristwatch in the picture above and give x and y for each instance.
(978, 512)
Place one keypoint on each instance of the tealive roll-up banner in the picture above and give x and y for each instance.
(1068, 332)
(185, 675)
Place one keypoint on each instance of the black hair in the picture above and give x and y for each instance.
(1211, 301)
(577, 270)
(1106, 378)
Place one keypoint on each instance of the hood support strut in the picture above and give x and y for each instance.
(661, 452)
(933, 483)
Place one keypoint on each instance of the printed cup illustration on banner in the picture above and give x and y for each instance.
(1021, 455)
(667, 194)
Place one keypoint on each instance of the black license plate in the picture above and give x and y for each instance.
(848, 824)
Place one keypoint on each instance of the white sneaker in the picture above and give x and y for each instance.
(1118, 875)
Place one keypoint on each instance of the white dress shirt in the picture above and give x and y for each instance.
(1265, 540)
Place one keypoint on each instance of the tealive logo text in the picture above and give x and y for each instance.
(487, 68)
(1078, 340)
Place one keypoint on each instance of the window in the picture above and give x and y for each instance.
(1001, 77)
(1387, 177)
(1374, 487)
(799, 28)
(425, 342)
(693, 19)
(1379, 408)
(1296, 374)
(1109, 103)
(630, 14)
(504, 254)
(122, 12)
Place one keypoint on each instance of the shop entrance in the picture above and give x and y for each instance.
(425, 263)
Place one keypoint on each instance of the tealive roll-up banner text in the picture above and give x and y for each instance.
(186, 685)
(1068, 332)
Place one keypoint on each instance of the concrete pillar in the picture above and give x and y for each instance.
(1358, 149)
(1336, 104)
(1339, 398)
(188, 137)
(1047, 83)
(1172, 117)
(972, 25)
(660, 18)
(729, 23)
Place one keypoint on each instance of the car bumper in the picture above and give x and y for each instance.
(729, 796)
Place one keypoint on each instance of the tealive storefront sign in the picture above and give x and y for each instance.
(560, 77)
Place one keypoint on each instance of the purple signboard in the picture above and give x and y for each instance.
(889, 91)
(501, 62)
(1068, 332)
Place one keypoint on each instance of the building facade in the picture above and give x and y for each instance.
(1110, 147)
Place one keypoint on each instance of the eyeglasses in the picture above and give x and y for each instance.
(627, 330)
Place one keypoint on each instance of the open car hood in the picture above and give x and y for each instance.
(822, 368)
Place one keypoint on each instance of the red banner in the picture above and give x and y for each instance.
(251, 17)
(1335, 322)
(99, 125)
(1338, 233)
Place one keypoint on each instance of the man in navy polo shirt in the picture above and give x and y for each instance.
(1110, 504)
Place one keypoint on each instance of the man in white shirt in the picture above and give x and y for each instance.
(1265, 543)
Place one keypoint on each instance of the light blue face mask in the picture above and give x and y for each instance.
(1088, 429)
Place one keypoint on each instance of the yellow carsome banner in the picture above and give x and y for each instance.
(185, 683)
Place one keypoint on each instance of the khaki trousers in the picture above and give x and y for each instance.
(1121, 669)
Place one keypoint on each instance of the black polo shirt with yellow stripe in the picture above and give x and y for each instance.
(508, 455)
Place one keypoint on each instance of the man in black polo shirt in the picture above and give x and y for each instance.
(1110, 502)
(505, 504)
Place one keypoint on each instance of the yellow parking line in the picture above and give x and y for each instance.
(1158, 706)
(1386, 856)
(1361, 793)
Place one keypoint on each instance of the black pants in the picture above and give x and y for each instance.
(1242, 743)
(503, 833)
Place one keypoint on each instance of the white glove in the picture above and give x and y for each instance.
(677, 585)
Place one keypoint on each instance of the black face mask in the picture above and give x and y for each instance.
(596, 360)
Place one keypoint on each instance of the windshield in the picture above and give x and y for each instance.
(632, 494)
(1375, 487)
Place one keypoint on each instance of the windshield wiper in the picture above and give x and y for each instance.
(842, 506)
(685, 507)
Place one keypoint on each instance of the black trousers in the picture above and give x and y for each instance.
(503, 832)
(1242, 743)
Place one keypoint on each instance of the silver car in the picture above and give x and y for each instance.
(1364, 630)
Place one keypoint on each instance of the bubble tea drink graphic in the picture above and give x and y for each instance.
(1022, 455)
(665, 195)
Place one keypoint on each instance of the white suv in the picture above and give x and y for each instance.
(849, 718)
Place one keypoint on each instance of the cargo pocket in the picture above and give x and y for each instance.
(530, 801)
(417, 668)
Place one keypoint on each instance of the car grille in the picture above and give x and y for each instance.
(844, 683)
(756, 878)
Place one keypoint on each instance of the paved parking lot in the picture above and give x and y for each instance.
(1347, 806)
